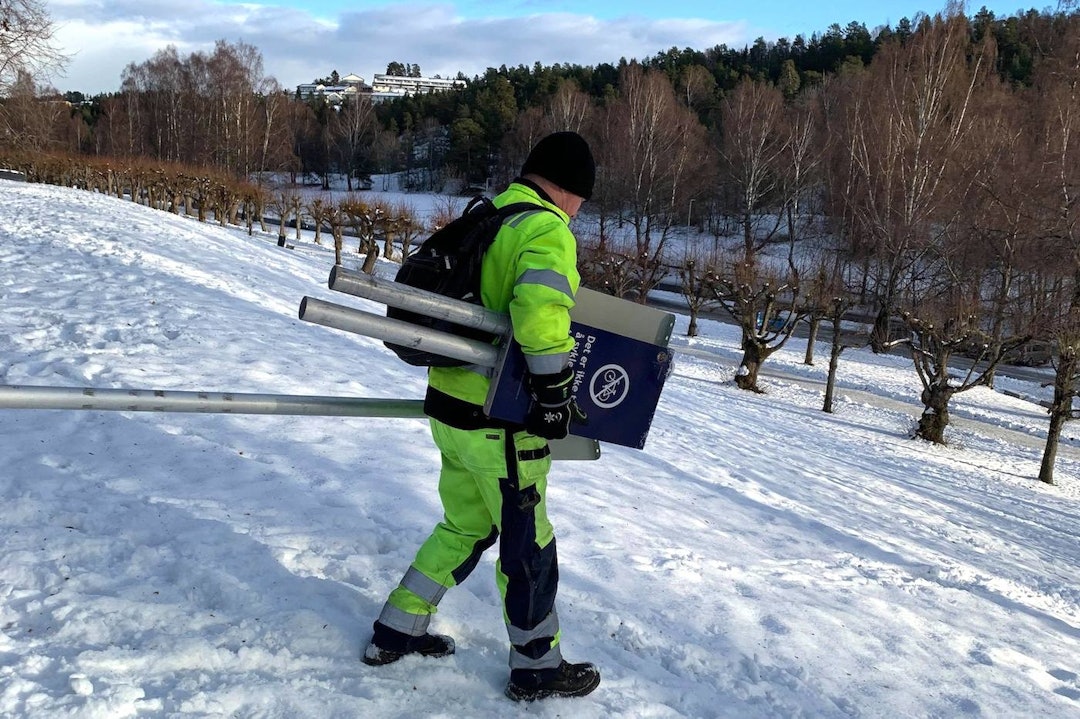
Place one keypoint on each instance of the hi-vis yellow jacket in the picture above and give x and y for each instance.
(530, 271)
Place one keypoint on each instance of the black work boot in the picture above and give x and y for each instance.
(565, 680)
(388, 645)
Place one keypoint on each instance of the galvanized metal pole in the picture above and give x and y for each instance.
(330, 315)
(422, 302)
(397, 332)
(155, 400)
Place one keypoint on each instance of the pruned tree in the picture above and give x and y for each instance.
(400, 225)
(282, 203)
(227, 199)
(296, 209)
(253, 200)
(932, 347)
(607, 265)
(410, 230)
(202, 190)
(834, 310)
(766, 304)
(826, 281)
(317, 209)
(770, 155)
(336, 219)
(696, 285)
(947, 315)
(364, 219)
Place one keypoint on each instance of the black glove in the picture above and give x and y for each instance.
(553, 406)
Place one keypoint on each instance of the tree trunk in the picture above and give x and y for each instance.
(935, 416)
(747, 375)
(370, 258)
(808, 359)
(1060, 411)
(281, 228)
(879, 335)
(692, 329)
(834, 364)
(1049, 458)
(388, 243)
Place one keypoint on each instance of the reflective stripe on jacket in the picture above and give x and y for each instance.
(530, 271)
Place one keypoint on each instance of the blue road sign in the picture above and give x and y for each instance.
(617, 383)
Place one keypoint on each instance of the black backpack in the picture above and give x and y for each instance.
(448, 263)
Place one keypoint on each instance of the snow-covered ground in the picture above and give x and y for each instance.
(758, 559)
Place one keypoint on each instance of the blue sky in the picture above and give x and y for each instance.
(781, 16)
(300, 41)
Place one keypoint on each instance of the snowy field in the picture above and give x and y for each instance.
(758, 559)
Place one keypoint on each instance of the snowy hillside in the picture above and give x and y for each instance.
(758, 559)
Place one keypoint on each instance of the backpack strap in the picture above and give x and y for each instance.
(517, 208)
(503, 214)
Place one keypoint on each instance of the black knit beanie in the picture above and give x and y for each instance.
(563, 158)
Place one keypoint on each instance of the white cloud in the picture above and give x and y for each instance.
(297, 47)
(99, 52)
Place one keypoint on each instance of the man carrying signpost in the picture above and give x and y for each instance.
(494, 472)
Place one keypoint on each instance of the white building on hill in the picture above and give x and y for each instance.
(348, 86)
(389, 87)
(382, 88)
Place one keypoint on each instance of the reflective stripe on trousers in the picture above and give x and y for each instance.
(490, 489)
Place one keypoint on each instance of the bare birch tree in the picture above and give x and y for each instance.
(652, 152)
(912, 134)
(28, 120)
(356, 133)
(27, 42)
(769, 156)
(1057, 100)
(751, 152)
(570, 108)
(1007, 182)
(903, 124)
